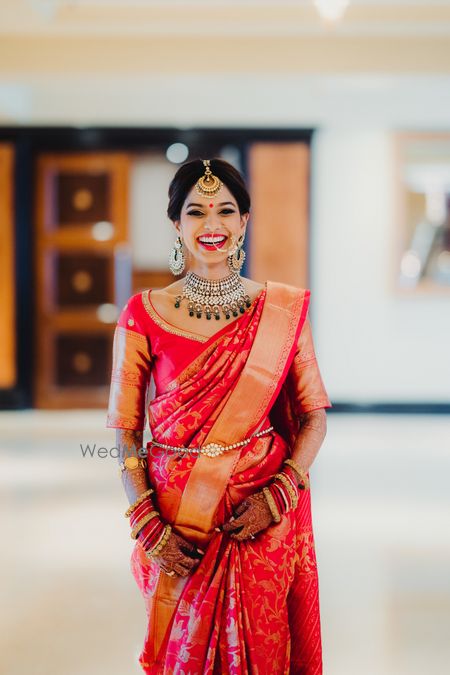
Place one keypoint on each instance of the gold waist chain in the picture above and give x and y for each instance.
(212, 449)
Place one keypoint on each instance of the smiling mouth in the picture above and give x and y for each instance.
(212, 242)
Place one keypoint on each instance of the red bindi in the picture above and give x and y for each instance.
(211, 205)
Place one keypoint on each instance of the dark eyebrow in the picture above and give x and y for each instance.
(201, 205)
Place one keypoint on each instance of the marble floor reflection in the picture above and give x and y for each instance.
(381, 507)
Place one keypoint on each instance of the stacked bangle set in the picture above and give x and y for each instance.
(283, 492)
(146, 525)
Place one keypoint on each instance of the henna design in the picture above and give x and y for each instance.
(252, 516)
(178, 555)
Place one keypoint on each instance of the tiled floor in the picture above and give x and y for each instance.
(381, 507)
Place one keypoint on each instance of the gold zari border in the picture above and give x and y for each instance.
(166, 326)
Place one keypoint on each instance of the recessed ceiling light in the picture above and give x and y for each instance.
(332, 10)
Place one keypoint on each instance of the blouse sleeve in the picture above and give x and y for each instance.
(306, 388)
(131, 370)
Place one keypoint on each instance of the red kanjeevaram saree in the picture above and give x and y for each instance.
(252, 606)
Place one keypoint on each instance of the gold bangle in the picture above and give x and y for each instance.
(161, 542)
(303, 475)
(155, 549)
(272, 506)
(165, 538)
(288, 485)
(143, 521)
(138, 501)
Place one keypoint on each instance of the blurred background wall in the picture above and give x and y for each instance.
(345, 89)
(342, 128)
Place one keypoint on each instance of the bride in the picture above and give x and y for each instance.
(219, 502)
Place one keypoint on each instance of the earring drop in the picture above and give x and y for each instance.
(236, 259)
(176, 257)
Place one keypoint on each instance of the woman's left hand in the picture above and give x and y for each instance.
(250, 517)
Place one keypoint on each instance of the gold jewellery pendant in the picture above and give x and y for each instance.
(211, 298)
(208, 185)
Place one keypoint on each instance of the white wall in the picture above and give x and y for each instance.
(373, 344)
(152, 234)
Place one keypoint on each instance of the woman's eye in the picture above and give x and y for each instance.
(199, 213)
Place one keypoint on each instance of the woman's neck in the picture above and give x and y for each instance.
(211, 271)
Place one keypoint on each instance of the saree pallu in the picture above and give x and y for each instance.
(251, 606)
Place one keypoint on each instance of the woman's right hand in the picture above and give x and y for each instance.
(178, 555)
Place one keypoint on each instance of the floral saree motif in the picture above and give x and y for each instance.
(250, 606)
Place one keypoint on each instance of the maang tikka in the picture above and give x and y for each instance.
(208, 185)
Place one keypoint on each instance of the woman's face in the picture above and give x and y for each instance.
(211, 226)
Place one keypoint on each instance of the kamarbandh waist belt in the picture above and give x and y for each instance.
(211, 449)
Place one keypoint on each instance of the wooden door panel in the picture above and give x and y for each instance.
(279, 237)
(81, 222)
(8, 370)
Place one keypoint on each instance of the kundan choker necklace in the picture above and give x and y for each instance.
(212, 297)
